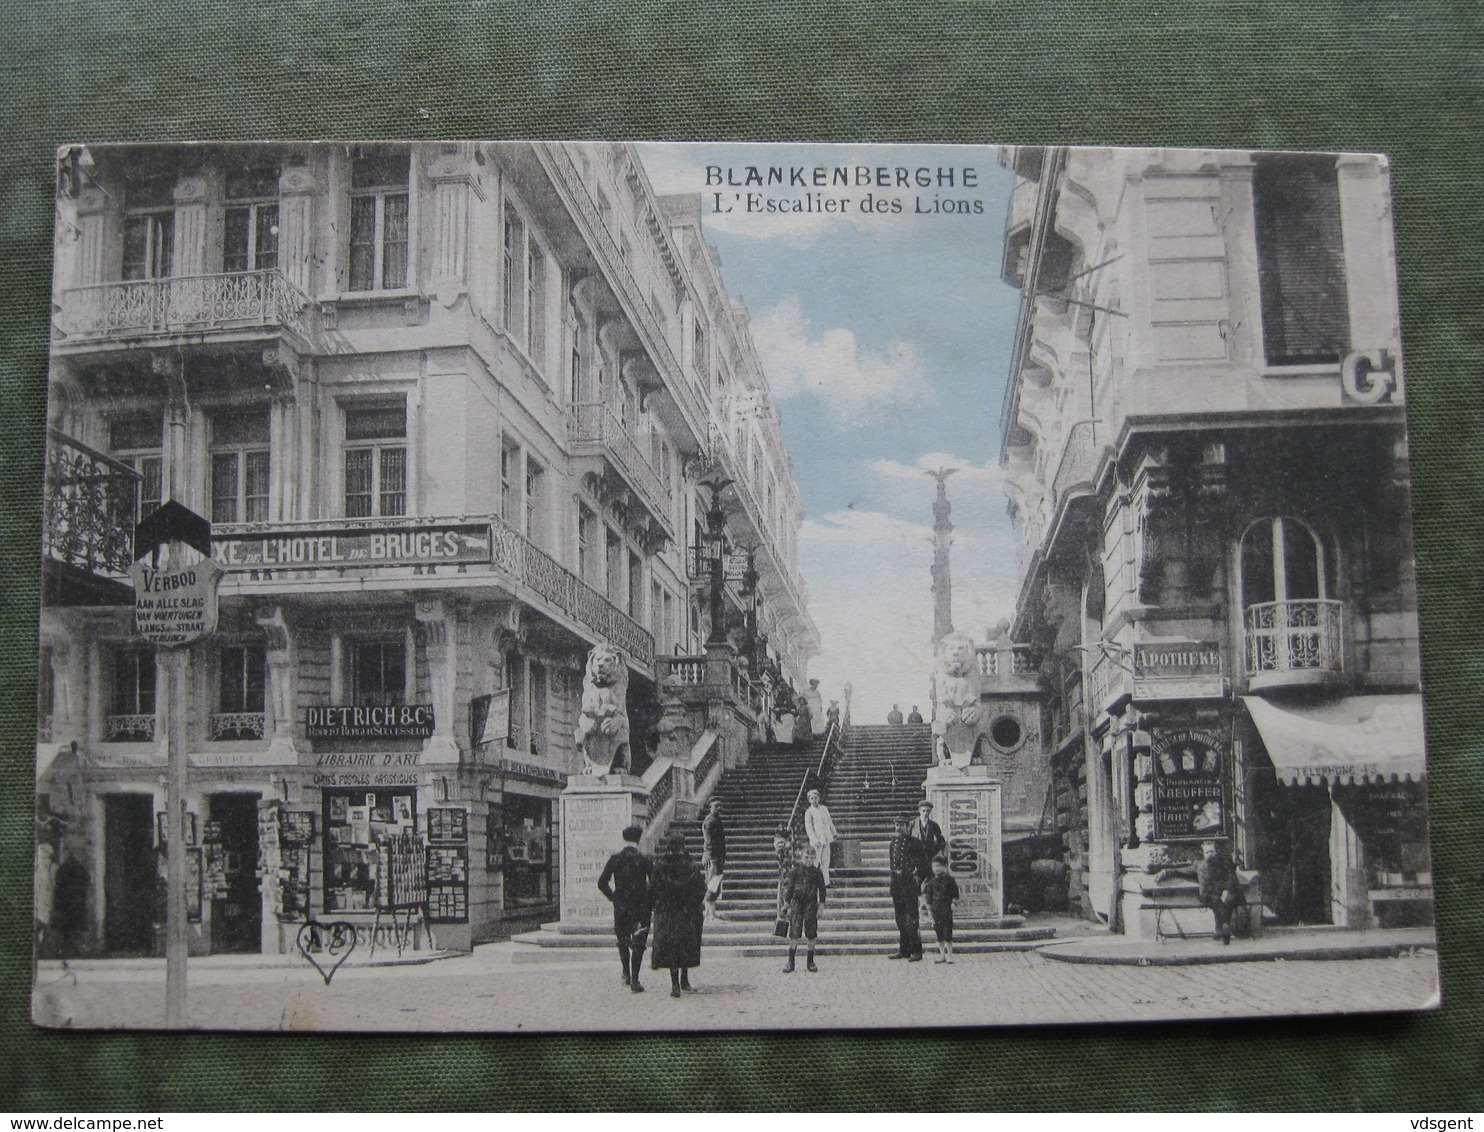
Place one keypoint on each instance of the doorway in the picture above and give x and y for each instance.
(129, 872)
(237, 909)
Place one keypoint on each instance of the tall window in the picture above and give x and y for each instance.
(535, 303)
(241, 683)
(510, 482)
(1300, 260)
(523, 274)
(379, 203)
(1283, 560)
(239, 467)
(538, 707)
(149, 228)
(616, 592)
(376, 461)
(635, 606)
(532, 502)
(512, 261)
(587, 543)
(378, 673)
(134, 682)
(250, 241)
(139, 443)
(702, 350)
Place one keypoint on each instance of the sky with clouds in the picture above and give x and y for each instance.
(886, 337)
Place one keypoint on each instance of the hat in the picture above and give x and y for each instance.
(901, 819)
(924, 804)
(633, 833)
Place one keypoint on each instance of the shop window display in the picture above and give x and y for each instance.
(357, 823)
(525, 826)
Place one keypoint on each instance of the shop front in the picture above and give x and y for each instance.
(1339, 813)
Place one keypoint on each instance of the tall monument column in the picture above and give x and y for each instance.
(942, 540)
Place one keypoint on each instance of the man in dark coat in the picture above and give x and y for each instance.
(929, 836)
(625, 881)
(905, 865)
(1220, 888)
(677, 890)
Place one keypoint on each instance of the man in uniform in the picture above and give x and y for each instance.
(905, 864)
(625, 881)
(929, 835)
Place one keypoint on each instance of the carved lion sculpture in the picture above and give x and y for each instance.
(958, 698)
(603, 727)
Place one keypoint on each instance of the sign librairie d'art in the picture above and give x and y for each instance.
(1189, 783)
(331, 546)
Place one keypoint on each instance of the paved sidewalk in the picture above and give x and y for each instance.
(488, 992)
(1318, 944)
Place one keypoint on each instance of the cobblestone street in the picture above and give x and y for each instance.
(489, 992)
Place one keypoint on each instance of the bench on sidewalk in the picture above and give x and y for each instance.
(1187, 898)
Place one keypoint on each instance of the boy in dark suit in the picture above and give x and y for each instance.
(939, 892)
(625, 881)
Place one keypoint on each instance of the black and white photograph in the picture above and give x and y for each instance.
(593, 586)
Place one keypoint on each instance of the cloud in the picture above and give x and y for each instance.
(977, 477)
(852, 383)
(870, 595)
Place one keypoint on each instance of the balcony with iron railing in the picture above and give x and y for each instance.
(594, 429)
(1295, 643)
(90, 509)
(245, 304)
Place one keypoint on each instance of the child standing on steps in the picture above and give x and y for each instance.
(939, 892)
(803, 893)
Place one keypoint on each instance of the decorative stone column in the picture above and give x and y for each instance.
(454, 180)
(967, 804)
(282, 683)
(440, 627)
(190, 227)
(297, 189)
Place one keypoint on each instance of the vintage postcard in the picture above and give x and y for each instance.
(488, 581)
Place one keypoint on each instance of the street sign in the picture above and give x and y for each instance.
(177, 605)
(172, 522)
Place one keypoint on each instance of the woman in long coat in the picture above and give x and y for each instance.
(677, 891)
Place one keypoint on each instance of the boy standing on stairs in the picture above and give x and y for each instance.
(803, 894)
(939, 892)
(713, 857)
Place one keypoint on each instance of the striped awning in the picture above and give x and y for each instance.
(1355, 739)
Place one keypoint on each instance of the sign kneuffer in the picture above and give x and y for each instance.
(175, 606)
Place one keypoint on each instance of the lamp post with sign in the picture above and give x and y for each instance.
(175, 605)
(716, 538)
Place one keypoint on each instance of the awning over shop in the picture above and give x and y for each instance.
(1356, 739)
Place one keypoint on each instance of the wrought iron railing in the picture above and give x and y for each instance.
(237, 725)
(527, 563)
(595, 425)
(90, 507)
(1290, 636)
(129, 728)
(192, 304)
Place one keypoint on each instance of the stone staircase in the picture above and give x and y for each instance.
(878, 776)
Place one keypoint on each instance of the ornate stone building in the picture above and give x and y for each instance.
(447, 407)
(1205, 442)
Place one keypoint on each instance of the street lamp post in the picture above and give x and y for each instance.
(716, 533)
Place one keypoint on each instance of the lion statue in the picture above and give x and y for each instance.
(957, 723)
(603, 726)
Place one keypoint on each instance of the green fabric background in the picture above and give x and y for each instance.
(1405, 77)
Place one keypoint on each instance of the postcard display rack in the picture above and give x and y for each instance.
(448, 868)
(285, 859)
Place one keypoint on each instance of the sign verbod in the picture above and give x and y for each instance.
(177, 605)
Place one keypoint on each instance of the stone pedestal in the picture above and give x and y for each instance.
(594, 812)
(966, 803)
